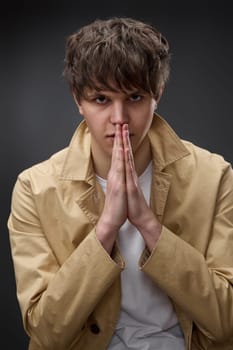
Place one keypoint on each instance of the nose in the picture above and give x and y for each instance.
(119, 113)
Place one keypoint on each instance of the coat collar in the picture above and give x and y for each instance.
(166, 148)
(78, 165)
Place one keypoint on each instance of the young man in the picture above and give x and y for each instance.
(124, 240)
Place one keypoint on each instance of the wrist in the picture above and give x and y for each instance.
(106, 234)
(150, 228)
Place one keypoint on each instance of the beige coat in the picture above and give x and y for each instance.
(69, 287)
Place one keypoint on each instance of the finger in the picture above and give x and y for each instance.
(117, 165)
(125, 133)
(116, 153)
(128, 148)
(118, 135)
(131, 176)
(119, 143)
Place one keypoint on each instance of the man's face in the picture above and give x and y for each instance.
(103, 110)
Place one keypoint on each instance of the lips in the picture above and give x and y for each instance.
(113, 135)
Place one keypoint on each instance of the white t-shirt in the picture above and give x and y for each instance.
(147, 319)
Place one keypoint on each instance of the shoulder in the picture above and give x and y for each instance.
(204, 166)
(49, 168)
(204, 158)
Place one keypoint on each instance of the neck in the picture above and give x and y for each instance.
(142, 158)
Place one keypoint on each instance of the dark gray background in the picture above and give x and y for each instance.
(38, 115)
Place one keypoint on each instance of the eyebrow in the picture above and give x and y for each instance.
(95, 93)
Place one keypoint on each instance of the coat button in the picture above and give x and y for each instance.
(94, 328)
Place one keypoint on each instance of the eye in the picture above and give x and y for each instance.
(101, 99)
(135, 97)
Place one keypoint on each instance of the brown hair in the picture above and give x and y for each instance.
(116, 54)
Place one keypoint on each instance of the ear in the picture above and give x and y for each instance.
(78, 104)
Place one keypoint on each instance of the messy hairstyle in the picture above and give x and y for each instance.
(117, 54)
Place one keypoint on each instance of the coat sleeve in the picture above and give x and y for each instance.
(55, 300)
(200, 284)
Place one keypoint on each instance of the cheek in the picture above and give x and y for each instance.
(95, 128)
(146, 121)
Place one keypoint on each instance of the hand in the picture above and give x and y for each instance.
(136, 203)
(138, 211)
(124, 198)
(115, 208)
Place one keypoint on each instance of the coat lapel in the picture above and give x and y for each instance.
(91, 201)
(166, 148)
(159, 192)
(78, 167)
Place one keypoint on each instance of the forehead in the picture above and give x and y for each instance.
(112, 92)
